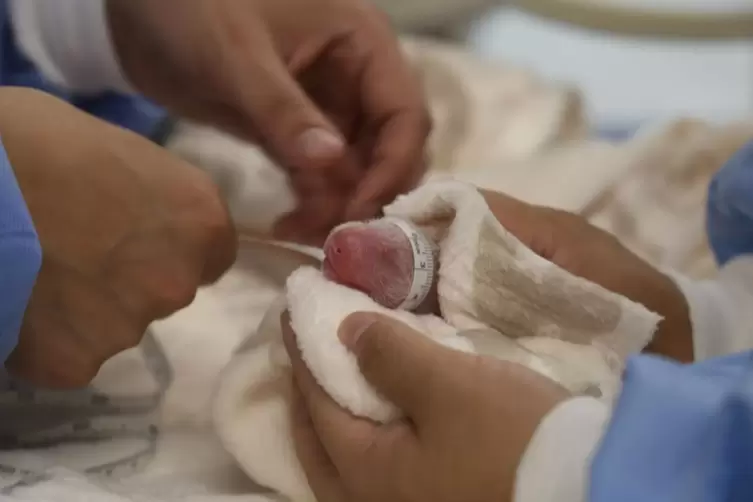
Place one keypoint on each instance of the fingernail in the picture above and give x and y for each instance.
(319, 143)
(354, 326)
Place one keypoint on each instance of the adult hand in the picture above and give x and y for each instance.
(128, 233)
(322, 85)
(577, 246)
(466, 430)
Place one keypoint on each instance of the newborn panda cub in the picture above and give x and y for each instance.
(389, 259)
(396, 264)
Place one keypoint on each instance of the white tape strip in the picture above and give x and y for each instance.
(423, 264)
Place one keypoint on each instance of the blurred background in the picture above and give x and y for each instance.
(633, 60)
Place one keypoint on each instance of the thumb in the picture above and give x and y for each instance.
(402, 364)
(290, 125)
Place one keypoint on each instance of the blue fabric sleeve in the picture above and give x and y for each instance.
(679, 433)
(729, 221)
(20, 257)
(131, 112)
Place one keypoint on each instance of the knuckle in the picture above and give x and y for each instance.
(125, 342)
(208, 216)
(426, 122)
(283, 110)
(217, 236)
(216, 223)
(175, 293)
(275, 105)
(63, 370)
(72, 376)
(80, 376)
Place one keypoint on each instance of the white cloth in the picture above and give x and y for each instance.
(69, 42)
(555, 466)
(496, 297)
(721, 310)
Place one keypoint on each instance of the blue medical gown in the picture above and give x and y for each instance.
(729, 221)
(684, 433)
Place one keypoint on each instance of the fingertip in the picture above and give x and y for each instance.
(320, 146)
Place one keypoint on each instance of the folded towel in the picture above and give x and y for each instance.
(496, 297)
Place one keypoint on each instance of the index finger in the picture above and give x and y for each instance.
(534, 226)
(396, 112)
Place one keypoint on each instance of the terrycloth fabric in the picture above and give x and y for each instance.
(493, 292)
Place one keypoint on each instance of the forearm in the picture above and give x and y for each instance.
(20, 258)
(69, 41)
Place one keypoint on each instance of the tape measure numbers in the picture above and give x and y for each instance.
(423, 264)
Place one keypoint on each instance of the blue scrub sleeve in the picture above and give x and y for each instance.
(730, 207)
(679, 433)
(20, 257)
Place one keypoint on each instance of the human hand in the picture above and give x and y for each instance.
(575, 245)
(323, 86)
(128, 233)
(469, 420)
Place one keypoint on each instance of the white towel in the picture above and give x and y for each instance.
(496, 296)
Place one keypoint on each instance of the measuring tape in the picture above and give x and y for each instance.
(423, 264)
(81, 418)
